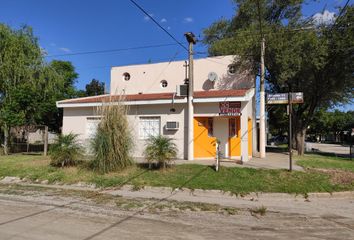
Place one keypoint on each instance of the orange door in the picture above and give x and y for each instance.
(204, 142)
(234, 137)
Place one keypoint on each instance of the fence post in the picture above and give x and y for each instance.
(45, 141)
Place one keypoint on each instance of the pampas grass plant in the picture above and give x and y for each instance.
(112, 143)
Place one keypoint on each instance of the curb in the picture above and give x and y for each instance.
(128, 190)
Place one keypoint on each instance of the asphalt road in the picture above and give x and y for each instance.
(330, 148)
(44, 216)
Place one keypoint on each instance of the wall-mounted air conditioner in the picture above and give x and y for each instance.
(182, 90)
(172, 126)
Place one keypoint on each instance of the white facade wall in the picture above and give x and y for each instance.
(146, 78)
(76, 120)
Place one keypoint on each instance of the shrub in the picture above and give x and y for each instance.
(112, 143)
(66, 151)
(160, 149)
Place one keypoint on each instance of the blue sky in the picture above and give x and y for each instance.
(71, 26)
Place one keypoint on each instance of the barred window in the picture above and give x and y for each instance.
(149, 126)
(91, 126)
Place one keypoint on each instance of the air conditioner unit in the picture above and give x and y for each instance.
(182, 90)
(172, 126)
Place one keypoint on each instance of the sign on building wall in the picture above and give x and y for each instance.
(230, 109)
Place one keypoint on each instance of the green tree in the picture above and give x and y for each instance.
(62, 72)
(29, 87)
(316, 60)
(21, 62)
(94, 88)
(336, 122)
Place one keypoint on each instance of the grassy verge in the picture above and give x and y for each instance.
(326, 162)
(236, 180)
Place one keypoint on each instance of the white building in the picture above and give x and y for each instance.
(223, 106)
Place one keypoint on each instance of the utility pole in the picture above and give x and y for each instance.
(262, 129)
(191, 41)
(290, 137)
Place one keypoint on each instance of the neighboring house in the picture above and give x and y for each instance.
(223, 106)
(31, 134)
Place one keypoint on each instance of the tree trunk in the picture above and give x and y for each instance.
(6, 139)
(300, 141)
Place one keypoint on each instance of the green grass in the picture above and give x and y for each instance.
(326, 162)
(192, 176)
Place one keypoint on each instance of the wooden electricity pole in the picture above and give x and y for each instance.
(290, 137)
(262, 129)
(191, 40)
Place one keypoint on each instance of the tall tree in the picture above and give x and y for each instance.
(94, 88)
(65, 72)
(316, 60)
(20, 61)
(29, 87)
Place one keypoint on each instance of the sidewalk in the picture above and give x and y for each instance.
(272, 161)
(314, 204)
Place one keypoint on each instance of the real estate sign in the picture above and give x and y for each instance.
(230, 109)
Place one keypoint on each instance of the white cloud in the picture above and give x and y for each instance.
(188, 20)
(52, 44)
(146, 18)
(67, 50)
(324, 18)
(163, 20)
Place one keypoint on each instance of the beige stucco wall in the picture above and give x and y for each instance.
(75, 120)
(146, 78)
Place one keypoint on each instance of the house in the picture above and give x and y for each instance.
(223, 102)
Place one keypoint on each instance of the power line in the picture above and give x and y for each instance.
(268, 32)
(163, 29)
(343, 9)
(163, 70)
(112, 50)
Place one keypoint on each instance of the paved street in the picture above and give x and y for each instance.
(46, 215)
(330, 148)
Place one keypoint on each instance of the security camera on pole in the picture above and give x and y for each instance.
(191, 41)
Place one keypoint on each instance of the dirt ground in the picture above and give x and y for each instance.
(43, 213)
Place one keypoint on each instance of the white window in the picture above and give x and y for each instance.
(91, 126)
(149, 126)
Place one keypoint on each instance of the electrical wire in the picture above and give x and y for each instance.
(162, 71)
(159, 25)
(113, 50)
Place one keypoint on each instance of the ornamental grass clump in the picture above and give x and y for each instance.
(161, 150)
(112, 142)
(66, 151)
